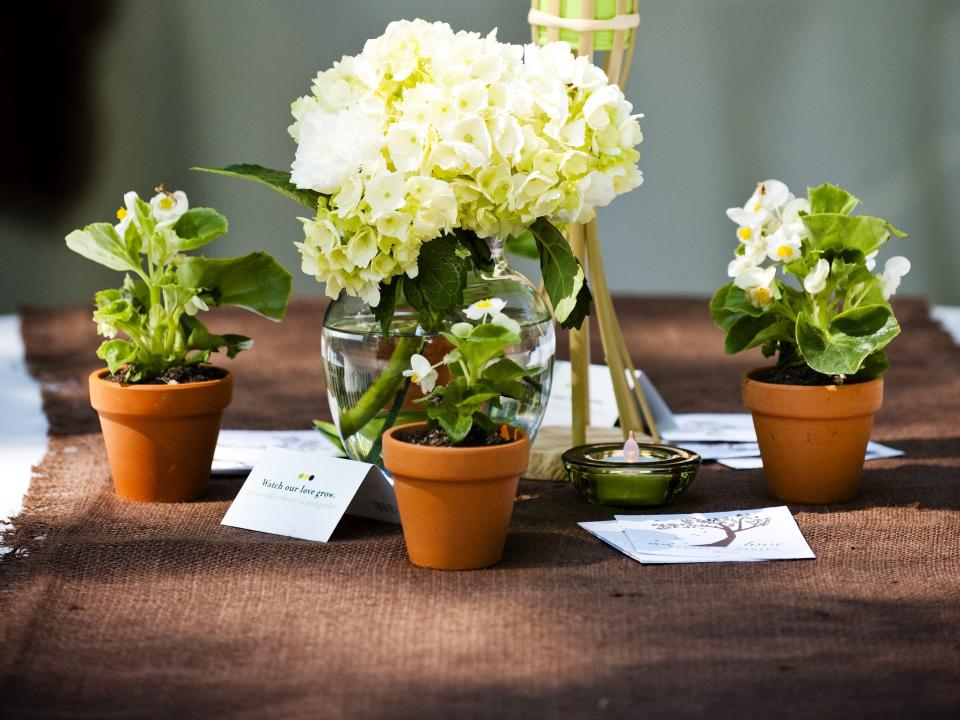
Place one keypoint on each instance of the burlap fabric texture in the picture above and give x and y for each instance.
(111, 609)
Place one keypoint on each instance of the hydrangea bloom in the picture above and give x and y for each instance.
(427, 130)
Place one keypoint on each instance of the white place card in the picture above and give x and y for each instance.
(612, 533)
(305, 494)
(239, 450)
(762, 533)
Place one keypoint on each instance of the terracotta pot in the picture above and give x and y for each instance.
(455, 503)
(812, 438)
(160, 438)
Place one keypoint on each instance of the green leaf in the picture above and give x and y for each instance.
(99, 242)
(200, 338)
(384, 310)
(484, 343)
(729, 304)
(441, 277)
(279, 180)
(836, 352)
(862, 320)
(256, 282)
(874, 365)
(523, 245)
(198, 226)
(479, 251)
(748, 332)
(831, 199)
(329, 431)
(441, 274)
(563, 277)
(831, 231)
(137, 289)
(117, 353)
(145, 221)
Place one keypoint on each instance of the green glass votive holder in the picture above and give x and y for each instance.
(602, 475)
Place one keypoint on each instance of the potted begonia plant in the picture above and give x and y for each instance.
(420, 158)
(456, 474)
(159, 401)
(823, 311)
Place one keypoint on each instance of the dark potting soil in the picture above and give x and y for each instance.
(436, 437)
(798, 375)
(176, 375)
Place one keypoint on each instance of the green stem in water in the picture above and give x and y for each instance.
(385, 386)
(388, 422)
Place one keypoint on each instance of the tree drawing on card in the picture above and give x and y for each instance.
(731, 526)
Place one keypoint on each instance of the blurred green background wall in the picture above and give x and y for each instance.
(865, 93)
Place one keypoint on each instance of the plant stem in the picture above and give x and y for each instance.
(388, 422)
(377, 395)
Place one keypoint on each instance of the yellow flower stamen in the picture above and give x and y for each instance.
(762, 295)
(745, 233)
(121, 213)
(415, 378)
(784, 251)
(484, 304)
(166, 203)
(756, 208)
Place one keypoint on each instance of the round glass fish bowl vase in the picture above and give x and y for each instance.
(363, 368)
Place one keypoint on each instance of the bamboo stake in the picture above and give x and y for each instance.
(553, 33)
(588, 9)
(615, 56)
(535, 29)
(609, 330)
(579, 355)
(615, 347)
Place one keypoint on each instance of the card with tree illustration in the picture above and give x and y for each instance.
(763, 533)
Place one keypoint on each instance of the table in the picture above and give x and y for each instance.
(114, 609)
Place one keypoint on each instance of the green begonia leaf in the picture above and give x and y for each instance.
(748, 332)
(99, 242)
(832, 231)
(198, 226)
(862, 320)
(837, 353)
(116, 353)
(256, 282)
(831, 199)
(279, 180)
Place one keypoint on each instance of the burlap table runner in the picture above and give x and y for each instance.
(112, 609)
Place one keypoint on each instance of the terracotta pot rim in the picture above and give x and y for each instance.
(98, 375)
(454, 464)
(486, 449)
(748, 376)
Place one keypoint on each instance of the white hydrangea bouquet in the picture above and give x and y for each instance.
(414, 152)
(804, 287)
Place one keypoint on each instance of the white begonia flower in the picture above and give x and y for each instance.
(195, 305)
(871, 260)
(481, 309)
(507, 322)
(461, 329)
(127, 214)
(332, 146)
(816, 279)
(167, 207)
(422, 373)
(893, 271)
(744, 262)
(783, 246)
(384, 194)
(758, 284)
(774, 195)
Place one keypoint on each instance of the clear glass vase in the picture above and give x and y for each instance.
(364, 369)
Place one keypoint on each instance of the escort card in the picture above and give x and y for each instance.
(304, 495)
